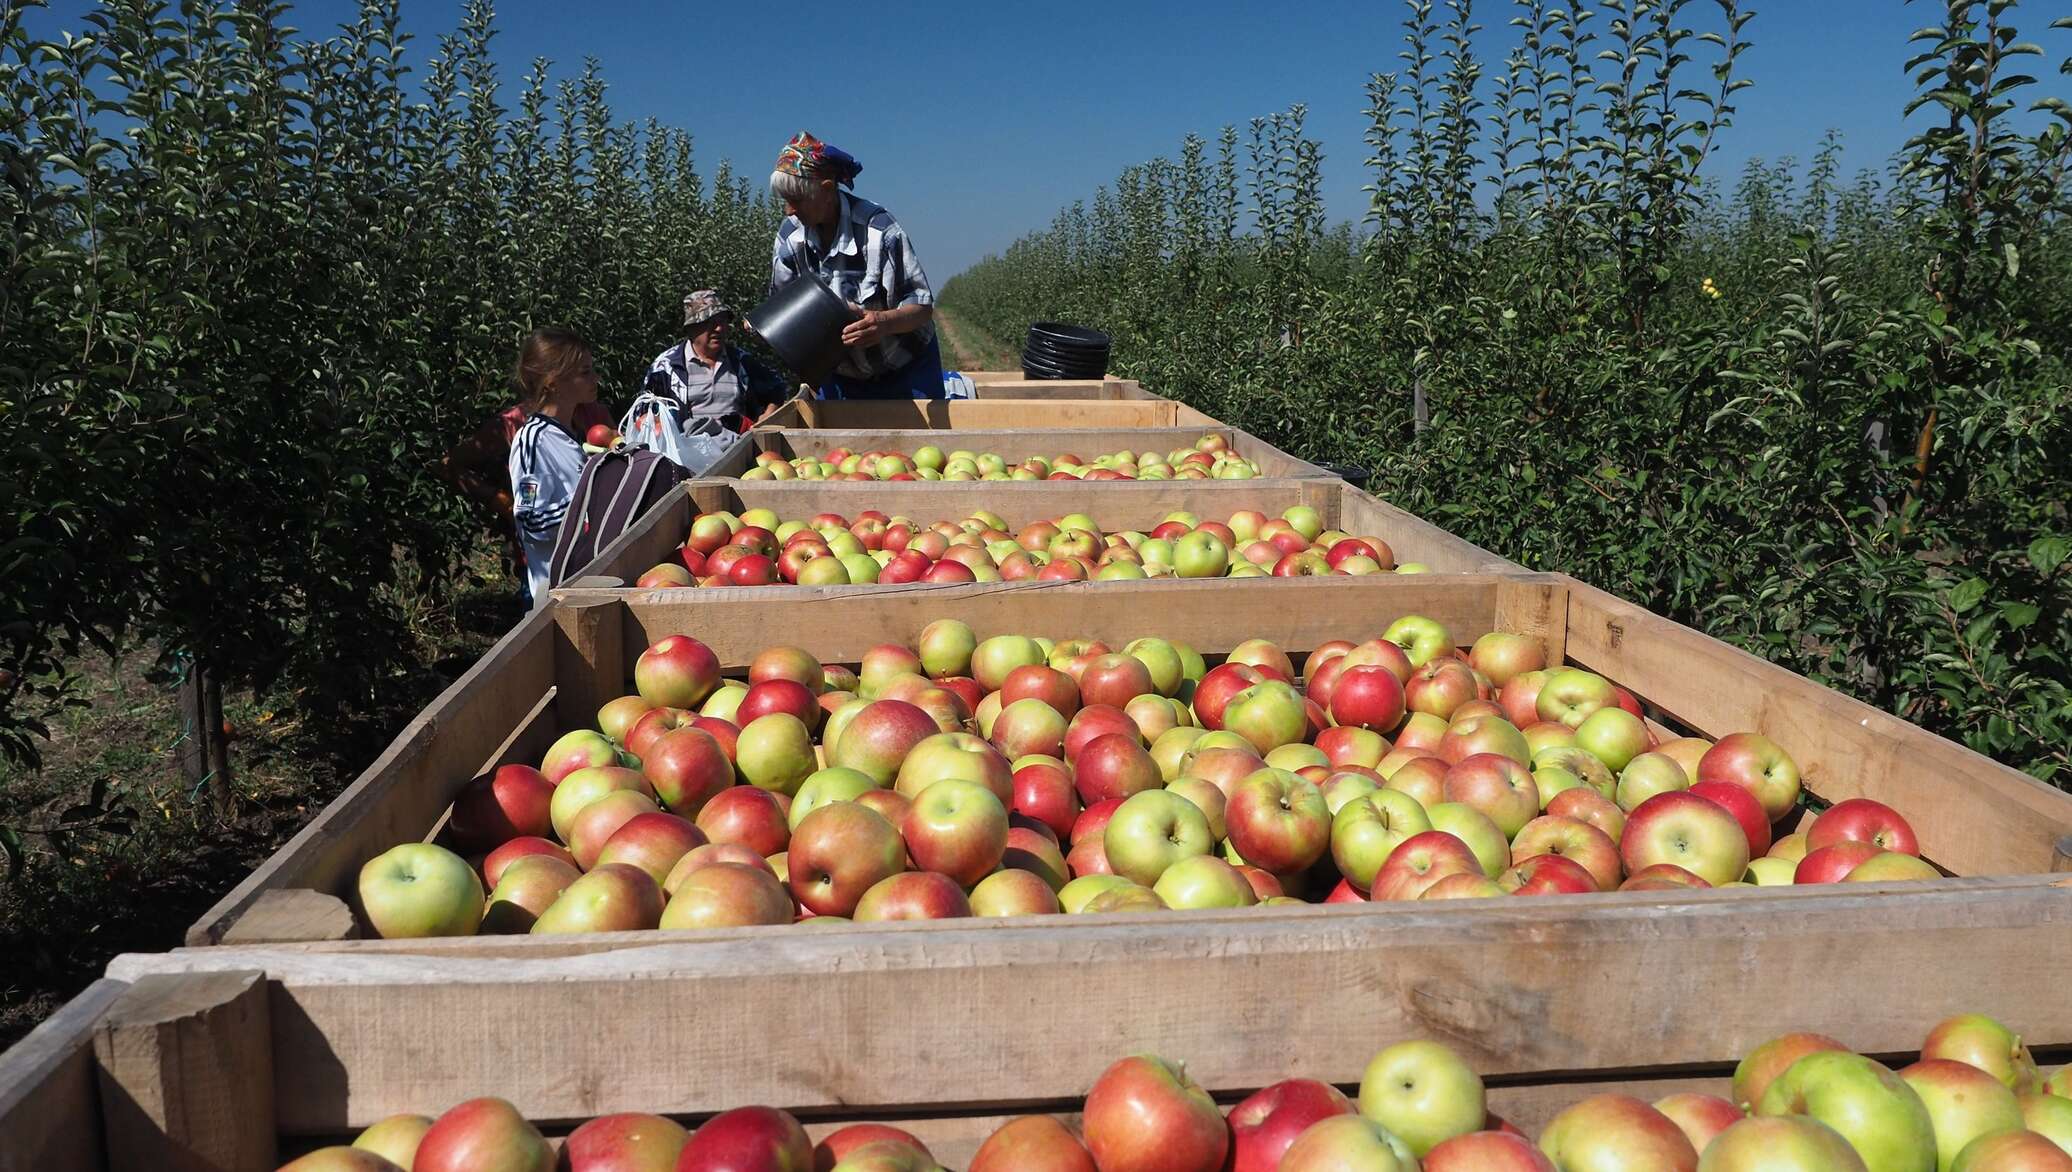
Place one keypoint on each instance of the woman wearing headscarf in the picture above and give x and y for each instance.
(858, 250)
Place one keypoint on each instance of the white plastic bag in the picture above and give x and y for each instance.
(658, 423)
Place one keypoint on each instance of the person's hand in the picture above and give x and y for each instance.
(866, 329)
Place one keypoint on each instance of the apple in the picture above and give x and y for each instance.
(1266, 1122)
(629, 1142)
(840, 851)
(577, 751)
(1615, 737)
(1095, 721)
(724, 702)
(1681, 828)
(727, 895)
(1218, 686)
(2049, 1116)
(749, 816)
(1075, 895)
(2012, 1151)
(1032, 1143)
(525, 889)
(994, 658)
(1421, 730)
(687, 768)
(1421, 861)
(1265, 655)
(1439, 687)
(1014, 892)
(482, 1135)
(1381, 653)
(1789, 847)
(913, 895)
(961, 755)
(1614, 1133)
(858, 1139)
(779, 696)
(1873, 1108)
(1762, 1065)
(420, 889)
(1422, 777)
(1421, 639)
(1491, 849)
(1348, 1143)
(1498, 786)
(1204, 881)
(498, 860)
(876, 740)
(1341, 786)
(1482, 733)
(2059, 1084)
(1369, 828)
(1031, 848)
(1963, 1104)
(1863, 820)
(1769, 872)
(1092, 822)
(1277, 821)
(1504, 657)
(1646, 775)
(677, 672)
(1208, 799)
(1038, 681)
(652, 841)
(1267, 715)
(512, 801)
(1474, 885)
(833, 784)
(748, 1139)
(1367, 698)
(1586, 805)
(613, 897)
(1742, 804)
(1662, 877)
(1171, 748)
(1044, 790)
(1547, 875)
(1145, 1115)
(1756, 763)
(1570, 695)
(1832, 864)
(1352, 746)
(1519, 698)
(946, 647)
(1890, 867)
(1572, 839)
(1988, 1045)
(1541, 735)
(710, 854)
(1423, 1093)
(1113, 766)
(1487, 1151)
(775, 752)
(394, 1138)
(957, 828)
(1152, 830)
(1701, 1117)
(1224, 765)
(1784, 1143)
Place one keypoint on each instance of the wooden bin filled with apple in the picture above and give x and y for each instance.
(1015, 384)
(1011, 444)
(1246, 1042)
(555, 675)
(660, 537)
(989, 414)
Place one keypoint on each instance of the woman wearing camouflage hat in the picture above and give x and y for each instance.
(713, 380)
(858, 250)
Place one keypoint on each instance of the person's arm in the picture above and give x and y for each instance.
(476, 467)
(874, 324)
(781, 268)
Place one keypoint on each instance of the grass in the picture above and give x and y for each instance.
(966, 347)
(89, 892)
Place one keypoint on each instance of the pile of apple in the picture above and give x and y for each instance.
(1800, 1103)
(1209, 459)
(1015, 775)
(757, 549)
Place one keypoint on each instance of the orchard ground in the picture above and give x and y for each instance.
(93, 889)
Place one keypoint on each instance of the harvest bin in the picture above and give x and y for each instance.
(552, 673)
(1014, 384)
(238, 1057)
(1113, 504)
(984, 413)
(1010, 442)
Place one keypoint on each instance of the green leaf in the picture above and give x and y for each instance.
(2048, 553)
(1967, 594)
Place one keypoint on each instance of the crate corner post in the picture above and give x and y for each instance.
(1536, 606)
(185, 1064)
(589, 655)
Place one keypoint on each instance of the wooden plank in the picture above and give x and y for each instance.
(815, 1019)
(1416, 540)
(293, 914)
(50, 1112)
(1015, 444)
(966, 414)
(1973, 815)
(1536, 608)
(407, 788)
(590, 663)
(186, 1073)
(839, 623)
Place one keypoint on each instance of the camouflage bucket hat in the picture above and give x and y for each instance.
(703, 306)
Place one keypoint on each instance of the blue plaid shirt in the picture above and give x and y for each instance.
(871, 263)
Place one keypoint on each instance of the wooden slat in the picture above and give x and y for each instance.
(816, 1019)
(1536, 608)
(590, 664)
(50, 1112)
(292, 914)
(1417, 540)
(966, 414)
(186, 1073)
(405, 790)
(1973, 815)
(1014, 444)
(1212, 615)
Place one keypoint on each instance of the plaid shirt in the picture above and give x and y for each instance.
(871, 263)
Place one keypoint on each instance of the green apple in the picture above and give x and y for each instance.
(1151, 831)
(1963, 1104)
(836, 783)
(1873, 1108)
(1162, 659)
(1423, 1094)
(1074, 896)
(1204, 881)
(1369, 828)
(775, 752)
(1309, 524)
(420, 889)
(1474, 828)
(1768, 872)
(1200, 554)
(1615, 737)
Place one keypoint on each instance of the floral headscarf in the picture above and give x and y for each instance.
(809, 158)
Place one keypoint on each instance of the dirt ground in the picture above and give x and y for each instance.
(965, 348)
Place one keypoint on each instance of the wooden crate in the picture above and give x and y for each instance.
(1113, 504)
(1974, 817)
(1013, 384)
(987, 413)
(238, 1057)
(1012, 444)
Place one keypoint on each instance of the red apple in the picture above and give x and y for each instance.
(1114, 680)
(1044, 791)
(1486, 1151)
(1863, 820)
(1701, 1117)
(518, 848)
(1547, 875)
(514, 801)
(957, 828)
(1682, 828)
(689, 768)
(840, 851)
(913, 895)
(788, 696)
(748, 1139)
(1267, 1121)
(1039, 682)
(1832, 864)
(1145, 1115)
(1094, 721)
(1032, 1143)
(1278, 821)
(1498, 786)
(1575, 840)
(1608, 1132)
(1419, 862)
(653, 842)
(649, 726)
(1114, 766)
(878, 738)
(628, 1142)
(1742, 804)
(1755, 763)
(1216, 688)
(1369, 698)
(483, 1135)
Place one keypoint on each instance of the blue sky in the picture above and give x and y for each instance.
(977, 122)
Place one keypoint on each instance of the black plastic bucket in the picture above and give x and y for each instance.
(803, 322)
(1055, 350)
(1352, 474)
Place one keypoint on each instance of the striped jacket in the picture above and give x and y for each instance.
(871, 263)
(546, 464)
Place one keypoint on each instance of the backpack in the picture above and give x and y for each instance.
(617, 488)
(656, 422)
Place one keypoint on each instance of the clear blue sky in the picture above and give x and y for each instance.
(976, 122)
